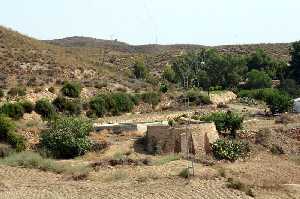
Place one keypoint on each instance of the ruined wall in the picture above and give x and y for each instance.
(166, 139)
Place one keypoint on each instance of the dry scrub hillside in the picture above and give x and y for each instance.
(27, 61)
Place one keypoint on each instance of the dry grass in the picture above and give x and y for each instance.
(35, 161)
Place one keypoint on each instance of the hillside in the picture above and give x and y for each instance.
(31, 62)
(277, 50)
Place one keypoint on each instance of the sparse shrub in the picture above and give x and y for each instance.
(222, 172)
(1, 93)
(7, 134)
(171, 122)
(151, 98)
(215, 88)
(166, 159)
(184, 173)
(195, 96)
(238, 185)
(71, 89)
(276, 150)
(73, 107)
(60, 103)
(45, 109)
(67, 137)
(284, 119)
(27, 106)
(100, 85)
(225, 121)
(139, 70)
(169, 73)
(229, 149)
(135, 98)
(97, 106)
(17, 91)
(262, 136)
(67, 106)
(121, 103)
(248, 101)
(163, 88)
(33, 160)
(5, 150)
(12, 110)
(17, 141)
(52, 90)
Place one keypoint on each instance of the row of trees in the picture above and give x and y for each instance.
(208, 68)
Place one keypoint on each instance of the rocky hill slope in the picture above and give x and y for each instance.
(28, 61)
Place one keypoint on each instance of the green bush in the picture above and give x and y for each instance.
(7, 134)
(258, 79)
(276, 150)
(6, 126)
(163, 88)
(45, 109)
(135, 98)
(52, 90)
(229, 149)
(258, 94)
(13, 110)
(225, 121)
(169, 73)
(17, 91)
(67, 106)
(1, 93)
(67, 137)
(195, 96)
(122, 103)
(279, 103)
(71, 89)
(139, 70)
(98, 106)
(151, 98)
(27, 106)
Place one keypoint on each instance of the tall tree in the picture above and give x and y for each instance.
(295, 61)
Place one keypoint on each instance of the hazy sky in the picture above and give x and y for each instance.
(208, 22)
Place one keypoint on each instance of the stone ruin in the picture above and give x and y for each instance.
(197, 138)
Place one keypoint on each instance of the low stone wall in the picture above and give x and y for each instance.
(196, 139)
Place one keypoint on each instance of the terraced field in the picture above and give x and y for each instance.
(24, 183)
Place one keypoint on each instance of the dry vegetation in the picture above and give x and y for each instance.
(118, 166)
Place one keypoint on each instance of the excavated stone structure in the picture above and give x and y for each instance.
(197, 138)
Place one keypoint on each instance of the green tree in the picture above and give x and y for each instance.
(290, 86)
(258, 79)
(261, 61)
(295, 61)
